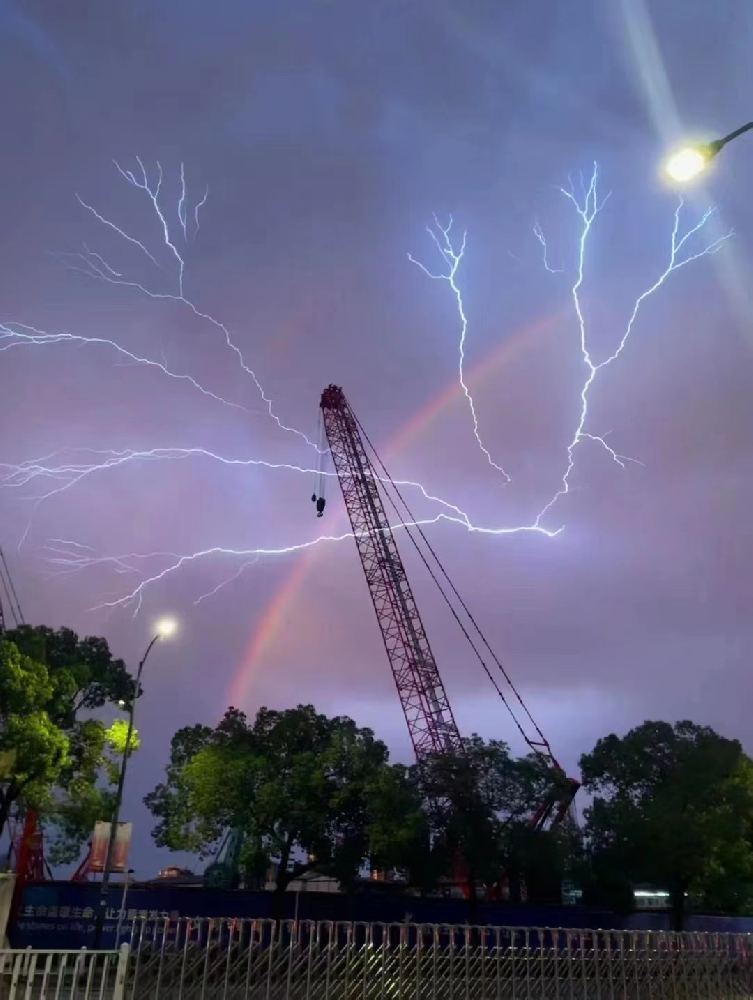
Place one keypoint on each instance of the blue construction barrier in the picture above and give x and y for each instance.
(62, 914)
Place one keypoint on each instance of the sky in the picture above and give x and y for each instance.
(317, 142)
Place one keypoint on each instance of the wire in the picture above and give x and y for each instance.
(6, 580)
(323, 449)
(535, 745)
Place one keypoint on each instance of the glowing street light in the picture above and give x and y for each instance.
(166, 627)
(163, 629)
(689, 162)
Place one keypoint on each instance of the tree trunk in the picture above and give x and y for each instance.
(278, 899)
(472, 899)
(4, 808)
(677, 903)
(7, 798)
(515, 886)
(281, 884)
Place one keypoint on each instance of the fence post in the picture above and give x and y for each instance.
(121, 973)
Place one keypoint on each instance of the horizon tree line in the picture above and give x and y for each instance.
(669, 804)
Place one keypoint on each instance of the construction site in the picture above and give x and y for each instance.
(44, 908)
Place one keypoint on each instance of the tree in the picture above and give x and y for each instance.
(673, 806)
(480, 803)
(308, 792)
(537, 860)
(57, 762)
(400, 830)
(83, 672)
(464, 795)
(85, 791)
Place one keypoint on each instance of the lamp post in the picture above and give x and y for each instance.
(164, 630)
(687, 163)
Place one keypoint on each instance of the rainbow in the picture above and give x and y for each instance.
(278, 609)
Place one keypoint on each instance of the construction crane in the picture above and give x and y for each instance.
(224, 871)
(423, 697)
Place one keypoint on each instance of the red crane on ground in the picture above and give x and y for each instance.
(427, 709)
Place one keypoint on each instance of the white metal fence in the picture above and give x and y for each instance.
(259, 960)
(63, 975)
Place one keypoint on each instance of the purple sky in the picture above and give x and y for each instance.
(328, 134)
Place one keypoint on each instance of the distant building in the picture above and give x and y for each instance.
(173, 871)
(177, 876)
(648, 898)
(308, 882)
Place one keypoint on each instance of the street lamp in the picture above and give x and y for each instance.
(687, 163)
(164, 628)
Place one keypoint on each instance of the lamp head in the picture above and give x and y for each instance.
(687, 163)
(166, 627)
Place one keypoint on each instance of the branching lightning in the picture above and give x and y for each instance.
(70, 473)
(79, 560)
(94, 265)
(538, 232)
(22, 335)
(66, 474)
(42, 479)
(588, 207)
(452, 256)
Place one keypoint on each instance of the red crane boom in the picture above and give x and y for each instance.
(431, 724)
(427, 709)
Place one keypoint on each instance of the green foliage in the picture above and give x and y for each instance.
(41, 750)
(117, 737)
(399, 828)
(480, 805)
(83, 672)
(54, 761)
(307, 791)
(673, 806)
(463, 795)
(180, 826)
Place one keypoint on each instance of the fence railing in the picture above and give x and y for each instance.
(63, 975)
(261, 960)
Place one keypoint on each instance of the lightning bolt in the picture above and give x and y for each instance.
(452, 256)
(78, 559)
(182, 203)
(55, 473)
(231, 579)
(72, 556)
(588, 207)
(14, 334)
(538, 232)
(94, 265)
(67, 474)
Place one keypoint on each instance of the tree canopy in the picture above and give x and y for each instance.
(306, 790)
(673, 806)
(57, 759)
(480, 804)
(312, 792)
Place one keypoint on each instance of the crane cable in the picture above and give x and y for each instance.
(323, 451)
(535, 745)
(6, 580)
